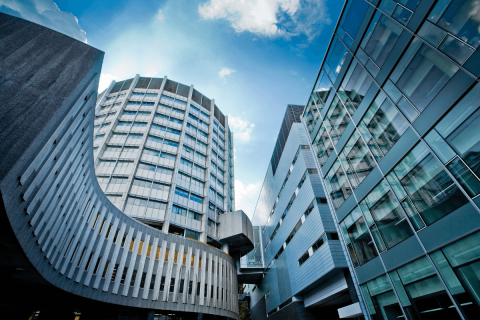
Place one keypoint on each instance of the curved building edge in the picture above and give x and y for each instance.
(69, 231)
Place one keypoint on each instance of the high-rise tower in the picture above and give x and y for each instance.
(393, 118)
(164, 155)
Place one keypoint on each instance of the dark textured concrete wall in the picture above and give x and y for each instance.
(42, 74)
(48, 85)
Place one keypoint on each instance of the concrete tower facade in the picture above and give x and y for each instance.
(164, 155)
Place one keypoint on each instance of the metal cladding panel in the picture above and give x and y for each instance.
(142, 83)
(127, 84)
(207, 103)
(197, 97)
(219, 115)
(183, 90)
(171, 86)
(156, 83)
(292, 115)
(117, 86)
(286, 278)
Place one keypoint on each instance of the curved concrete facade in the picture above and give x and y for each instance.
(72, 235)
(163, 154)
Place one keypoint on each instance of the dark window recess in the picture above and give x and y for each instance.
(152, 282)
(304, 258)
(182, 282)
(127, 84)
(162, 284)
(114, 273)
(117, 86)
(142, 282)
(172, 284)
(190, 286)
(318, 244)
(156, 83)
(205, 292)
(142, 83)
(124, 275)
(271, 312)
(292, 115)
(207, 103)
(183, 90)
(134, 276)
(198, 288)
(171, 86)
(197, 97)
(283, 305)
(332, 236)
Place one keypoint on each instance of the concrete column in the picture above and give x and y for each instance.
(225, 248)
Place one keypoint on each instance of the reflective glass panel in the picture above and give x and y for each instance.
(388, 216)
(382, 39)
(432, 191)
(385, 124)
(425, 76)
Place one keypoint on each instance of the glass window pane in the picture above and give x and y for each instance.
(425, 290)
(337, 185)
(336, 56)
(361, 242)
(385, 123)
(355, 86)
(439, 146)
(465, 140)
(353, 17)
(387, 214)
(338, 119)
(455, 49)
(407, 109)
(372, 68)
(381, 301)
(432, 191)
(425, 76)
(431, 33)
(382, 39)
(358, 159)
(322, 90)
(461, 19)
(464, 176)
(322, 145)
(401, 14)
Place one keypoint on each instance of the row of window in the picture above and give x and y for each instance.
(290, 203)
(284, 183)
(187, 213)
(185, 194)
(297, 227)
(320, 241)
(192, 165)
(216, 195)
(420, 289)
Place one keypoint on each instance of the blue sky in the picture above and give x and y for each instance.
(253, 57)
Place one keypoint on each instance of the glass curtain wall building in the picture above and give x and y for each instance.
(297, 245)
(393, 119)
(164, 155)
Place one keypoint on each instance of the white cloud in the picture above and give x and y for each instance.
(246, 196)
(226, 72)
(241, 128)
(160, 15)
(270, 18)
(45, 13)
(105, 80)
